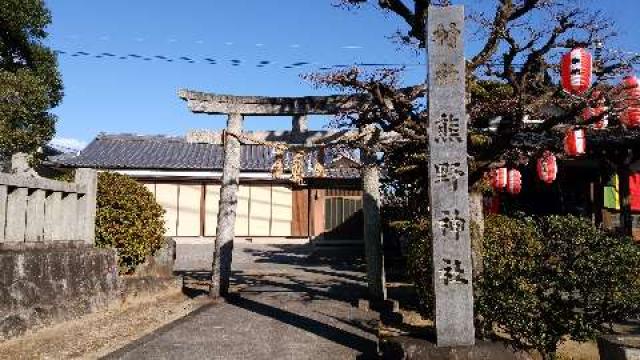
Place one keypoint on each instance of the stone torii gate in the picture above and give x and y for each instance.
(236, 108)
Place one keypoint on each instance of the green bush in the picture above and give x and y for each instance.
(555, 277)
(544, 279)
(128, 219)
(419, 262)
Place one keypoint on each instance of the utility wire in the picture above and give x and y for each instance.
(238, 62)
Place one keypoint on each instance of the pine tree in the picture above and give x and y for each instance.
(30, 84)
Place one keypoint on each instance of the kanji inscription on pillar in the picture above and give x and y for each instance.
(448, 177)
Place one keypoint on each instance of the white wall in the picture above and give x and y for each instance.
(262, 210)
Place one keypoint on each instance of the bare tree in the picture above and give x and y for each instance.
(513, 76)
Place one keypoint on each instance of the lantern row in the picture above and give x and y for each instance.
(576, 79)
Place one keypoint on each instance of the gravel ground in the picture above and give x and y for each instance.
(95, 335)
(286, 304)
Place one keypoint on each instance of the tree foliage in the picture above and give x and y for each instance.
(553, 278)
(30, 84)
(128, 219)
(514, 77)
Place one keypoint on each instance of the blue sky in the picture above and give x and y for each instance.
(109, 94)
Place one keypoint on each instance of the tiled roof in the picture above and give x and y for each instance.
(126, 151)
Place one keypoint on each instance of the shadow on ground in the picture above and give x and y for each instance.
(367, 347)
(285, 302)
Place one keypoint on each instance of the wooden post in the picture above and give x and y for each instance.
(223, 251)
(449, 178)
(373, 246)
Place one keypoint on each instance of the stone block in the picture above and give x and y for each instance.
(619, 347)
(47, 282)
(412, 348)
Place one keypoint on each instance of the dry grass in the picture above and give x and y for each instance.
(101, 333)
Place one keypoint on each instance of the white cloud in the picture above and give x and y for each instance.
(68, 144)
(352, 47)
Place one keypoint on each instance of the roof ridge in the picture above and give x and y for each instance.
(139, 137)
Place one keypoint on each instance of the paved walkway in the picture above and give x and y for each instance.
(285, 304)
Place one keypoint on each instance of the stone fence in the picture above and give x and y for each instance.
(34, 209)
(50, 269)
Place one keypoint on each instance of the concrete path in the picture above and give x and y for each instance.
(286, 303)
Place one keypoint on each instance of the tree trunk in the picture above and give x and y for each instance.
(477, 231)
(225, 233)
(373, 248)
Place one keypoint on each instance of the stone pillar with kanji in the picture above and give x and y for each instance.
(448, 177)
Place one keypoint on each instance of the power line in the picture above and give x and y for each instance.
(232, 62)
(235, 62)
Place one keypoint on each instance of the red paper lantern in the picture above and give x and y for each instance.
(630, 116)
(547, 167)
(576, 70)
(499, 178)
(514, 182)
(575, 142)
(596, 110)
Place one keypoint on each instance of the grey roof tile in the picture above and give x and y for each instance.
(125, 151)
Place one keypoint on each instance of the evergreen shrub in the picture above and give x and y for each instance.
(128, 219)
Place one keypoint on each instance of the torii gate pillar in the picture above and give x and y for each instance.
(227, 210)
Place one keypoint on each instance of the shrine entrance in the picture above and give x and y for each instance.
(448, 174)
(336, 211)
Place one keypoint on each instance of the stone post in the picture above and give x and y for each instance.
(53, 217)
(448, 178)
(16, 214)
(223, 251)
(35, 216)
(70, 217)
(373, 246)
(88, 179)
